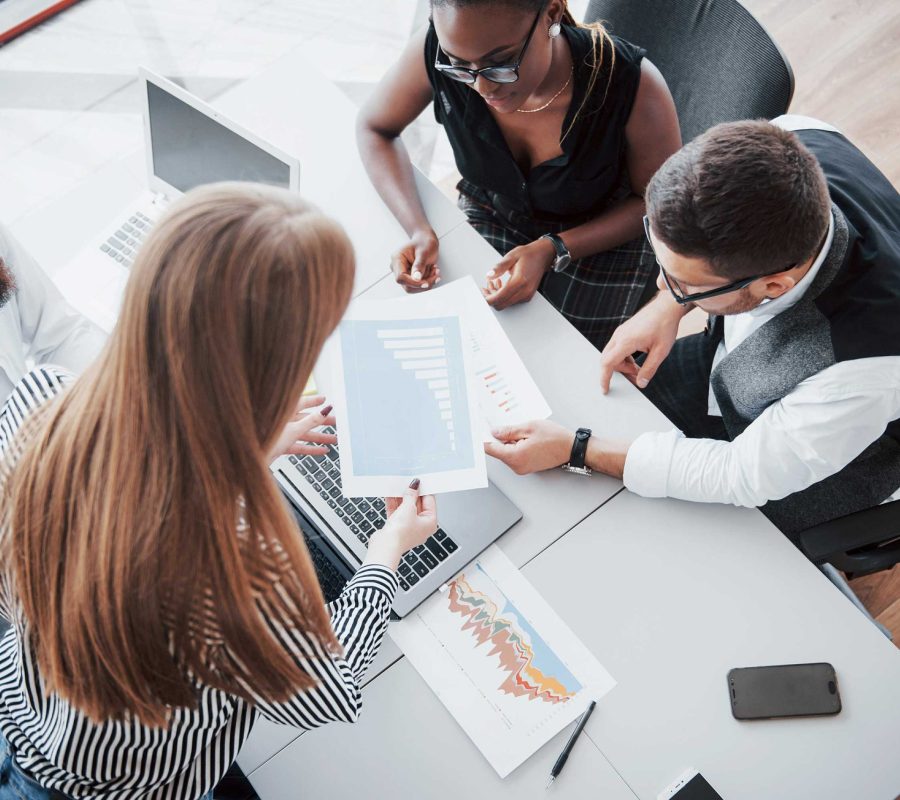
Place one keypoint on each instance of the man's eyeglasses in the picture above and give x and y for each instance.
(685, 299)
(503, 73)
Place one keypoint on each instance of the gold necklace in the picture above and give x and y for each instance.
(541, 108)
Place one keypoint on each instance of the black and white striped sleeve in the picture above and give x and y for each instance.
(38, 386)
(359, 617)
(34, 389)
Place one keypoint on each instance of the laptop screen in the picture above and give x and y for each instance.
(190, 148)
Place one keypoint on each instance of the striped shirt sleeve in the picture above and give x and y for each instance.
(29, 394)
(359, 617)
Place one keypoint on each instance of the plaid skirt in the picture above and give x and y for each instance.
(595, 293)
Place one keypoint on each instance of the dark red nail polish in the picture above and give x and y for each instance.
(414, 483)
(327, 410)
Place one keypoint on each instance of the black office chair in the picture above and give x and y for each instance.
(719, 62)
(857, 544)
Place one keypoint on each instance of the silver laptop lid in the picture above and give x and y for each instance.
(189, 143)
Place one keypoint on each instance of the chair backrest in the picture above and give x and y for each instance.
(719, 62)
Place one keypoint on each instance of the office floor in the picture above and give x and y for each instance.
(68, 102)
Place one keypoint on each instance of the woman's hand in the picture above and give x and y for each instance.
(298, 437)
(411, 520)
(415, 264)
(526, 266)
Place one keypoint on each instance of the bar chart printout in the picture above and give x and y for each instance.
(408, 405)
(501, 661)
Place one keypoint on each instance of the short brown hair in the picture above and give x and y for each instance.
(747, 197)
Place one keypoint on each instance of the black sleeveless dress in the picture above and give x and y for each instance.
(510, 208)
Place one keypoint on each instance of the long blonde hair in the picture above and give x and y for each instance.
(144, 531)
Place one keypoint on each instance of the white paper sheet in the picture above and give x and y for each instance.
(507, 394)
(404, 396)
(500, 660)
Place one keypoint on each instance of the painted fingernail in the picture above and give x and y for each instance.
(417, 275)
(437, 280)
(424, 285)
(326, 411)
(414, 483)
(490, 273)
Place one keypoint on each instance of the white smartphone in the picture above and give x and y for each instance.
(690, 786)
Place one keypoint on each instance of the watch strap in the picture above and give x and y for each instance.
(579, 448)
(558, 245)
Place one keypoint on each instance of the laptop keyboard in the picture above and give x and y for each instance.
(364, 516)
(122, 246)
(331, 580)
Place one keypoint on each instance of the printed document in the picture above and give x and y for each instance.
(500, 660)
(405, 399)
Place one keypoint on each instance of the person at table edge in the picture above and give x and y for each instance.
(790, 401)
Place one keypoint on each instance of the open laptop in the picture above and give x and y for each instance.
(337, 528)
(187, 143)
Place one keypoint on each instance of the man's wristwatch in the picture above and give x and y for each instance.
(579, 452)
(563, 257)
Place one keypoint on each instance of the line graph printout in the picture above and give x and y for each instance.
(408, 404)
(500, 660)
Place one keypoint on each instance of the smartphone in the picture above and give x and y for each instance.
(789, 690)
(690, 786)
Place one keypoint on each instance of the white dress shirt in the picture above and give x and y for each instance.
(37, 324)
(811, 433)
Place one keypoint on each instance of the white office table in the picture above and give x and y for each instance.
(669, 596)
(405, 746)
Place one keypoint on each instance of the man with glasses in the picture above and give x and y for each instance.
(790, 400)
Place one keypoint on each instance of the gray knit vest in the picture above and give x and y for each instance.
(767, 366)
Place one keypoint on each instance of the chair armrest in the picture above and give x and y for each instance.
(864, 529)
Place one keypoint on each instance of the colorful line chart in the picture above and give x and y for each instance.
(501, 660)
(532, 670)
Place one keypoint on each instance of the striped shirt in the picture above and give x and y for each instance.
(64, 750)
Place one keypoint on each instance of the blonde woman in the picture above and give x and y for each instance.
(160, 595)
(556, 128)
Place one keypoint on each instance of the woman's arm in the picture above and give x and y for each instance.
(652, 135)
(400, 97)
(359, 617)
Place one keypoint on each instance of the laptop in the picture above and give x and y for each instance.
(187, 143)
(337, 528)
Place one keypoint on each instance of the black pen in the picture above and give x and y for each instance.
(564, 755)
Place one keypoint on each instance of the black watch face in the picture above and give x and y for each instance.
(583, 436)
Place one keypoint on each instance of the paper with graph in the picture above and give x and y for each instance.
(501, 661)
(507, 394)
(405, 399)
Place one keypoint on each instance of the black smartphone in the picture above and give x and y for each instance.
(690, 786)
(789, 690)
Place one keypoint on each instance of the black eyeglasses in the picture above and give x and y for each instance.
(684, 299)
(503, 73)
